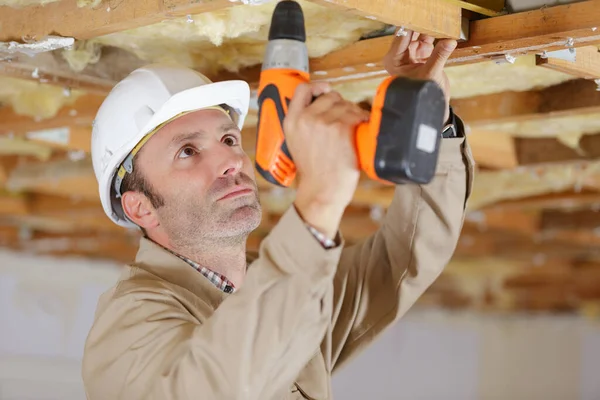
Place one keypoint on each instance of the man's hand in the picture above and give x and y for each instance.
(414, 56)
(320, 137)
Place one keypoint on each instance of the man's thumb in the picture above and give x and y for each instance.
(441, 52)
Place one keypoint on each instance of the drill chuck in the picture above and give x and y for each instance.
(287, 22)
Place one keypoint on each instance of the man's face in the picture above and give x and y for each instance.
(197, 165)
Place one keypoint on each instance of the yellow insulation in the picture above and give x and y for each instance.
(476, 79)
(232, 38)
(488, 77)
(34, 99)
(550, 127)
(494, 186)
(25, 3)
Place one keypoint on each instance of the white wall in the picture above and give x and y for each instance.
(47, 305)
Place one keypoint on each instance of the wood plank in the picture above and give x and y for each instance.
(568, 200)
(493, 149)
(545, 150)
(484, 7)
(75, 138)
(585, 66)
(522, 33)
(496, 5)
(515, 34)
(11, 204)
(440, 19)
(569, 98)
(501, 150)
(116, 247)
(65, 18)
(63, 178)
(475, 242)
(51, 68)
(579, 219)
(7, 164)
(548, 28)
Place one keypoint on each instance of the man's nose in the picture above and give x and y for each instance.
(231, 161)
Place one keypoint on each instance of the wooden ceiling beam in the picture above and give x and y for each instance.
(7, 163)
(476, 242)
(71, 128)
(438, 18)
(51, 68)
(76, 178)
(549, 28)
(118, 247)
(496, 150)
(65, 18)
(11, 204)
(578, 219)
(502, 150)
(566, 99)
(515, 34)
(568, 200)
(545, 150)
(585, 66)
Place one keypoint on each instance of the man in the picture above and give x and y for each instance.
(191, 317)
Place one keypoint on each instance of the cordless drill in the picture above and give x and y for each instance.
(400, 142)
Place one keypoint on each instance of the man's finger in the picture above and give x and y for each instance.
(441, 52)
(400, 43)
(304, 95)
(427, 39)
(301, 98)
(323, 103)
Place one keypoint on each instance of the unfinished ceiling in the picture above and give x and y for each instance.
(532, 237)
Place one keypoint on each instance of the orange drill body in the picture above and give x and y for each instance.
(400, 142)
(276, 88)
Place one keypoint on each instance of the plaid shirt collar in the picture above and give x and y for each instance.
(220, 281)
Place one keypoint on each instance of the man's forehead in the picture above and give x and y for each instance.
(207, 119)
(194, 124)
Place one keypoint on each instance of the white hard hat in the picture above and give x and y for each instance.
(146, 99)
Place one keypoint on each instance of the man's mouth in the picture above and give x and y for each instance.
(237, 191)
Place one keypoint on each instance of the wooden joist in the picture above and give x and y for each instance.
(562, 100)
(51, 68)
(515, 34)
(544, 150)
(433, 17)
(549, 28)
(495, 150)
(580, 219)
(501, 150)
(567, 200)
(65, 18)
(586, 64)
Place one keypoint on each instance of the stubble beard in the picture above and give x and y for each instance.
(200, 222)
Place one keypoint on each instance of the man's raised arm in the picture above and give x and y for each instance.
(379, 279)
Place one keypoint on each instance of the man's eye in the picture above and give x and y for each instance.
(187, 152)
(230, 140)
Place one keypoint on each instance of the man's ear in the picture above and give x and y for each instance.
(139, 210)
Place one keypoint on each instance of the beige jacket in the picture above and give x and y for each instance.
(165, 332)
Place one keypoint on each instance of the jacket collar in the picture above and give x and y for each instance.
(160, 262)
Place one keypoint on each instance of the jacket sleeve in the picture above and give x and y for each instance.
(379, 279)
(145, 345)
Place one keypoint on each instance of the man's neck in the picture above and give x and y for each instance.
(225, 257)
